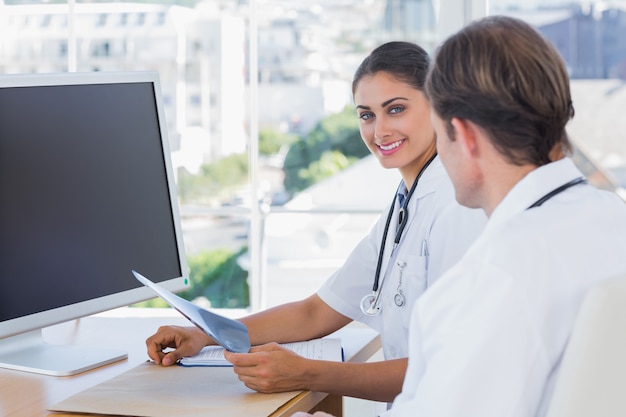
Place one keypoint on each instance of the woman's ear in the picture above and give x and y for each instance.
(466, 135)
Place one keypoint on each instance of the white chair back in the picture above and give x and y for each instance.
(592, 379)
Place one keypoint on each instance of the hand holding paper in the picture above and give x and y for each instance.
(272, 368)
(232, 335)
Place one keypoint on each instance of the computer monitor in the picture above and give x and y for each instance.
(87, 194)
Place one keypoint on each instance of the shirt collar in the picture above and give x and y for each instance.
(533, 186)
(428, 183)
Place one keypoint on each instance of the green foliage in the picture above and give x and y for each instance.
(154, 303)
(215, 178)
(270, 141)
(328, 165)
(335, 133)
(216, 276)
(338, 132)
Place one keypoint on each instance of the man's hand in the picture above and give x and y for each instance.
(271, 368)
(186, 341)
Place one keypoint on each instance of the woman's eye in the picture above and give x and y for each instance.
(396, 109)
(365, 116)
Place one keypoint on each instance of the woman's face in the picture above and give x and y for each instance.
(394, 120)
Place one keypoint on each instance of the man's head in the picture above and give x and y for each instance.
(500, 77)
(501, 74)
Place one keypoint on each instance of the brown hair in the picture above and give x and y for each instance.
(404, 61)
(501, 74)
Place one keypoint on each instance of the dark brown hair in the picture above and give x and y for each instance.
(404, 61)
(504, 76)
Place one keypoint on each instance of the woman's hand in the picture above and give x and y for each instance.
(271, 368)
(186, 341)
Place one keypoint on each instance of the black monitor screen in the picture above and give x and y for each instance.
(84, 195)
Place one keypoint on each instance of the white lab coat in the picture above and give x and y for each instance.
(437, 233)
(487, 339)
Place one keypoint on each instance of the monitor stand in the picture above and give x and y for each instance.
(29, 352)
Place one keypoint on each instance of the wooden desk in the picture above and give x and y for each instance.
(25, 394)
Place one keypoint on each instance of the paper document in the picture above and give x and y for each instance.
(228, 333)
(319, 349)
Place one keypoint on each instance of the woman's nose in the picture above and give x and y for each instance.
(382, 129)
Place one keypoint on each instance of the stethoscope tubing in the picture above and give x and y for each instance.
(370, 303)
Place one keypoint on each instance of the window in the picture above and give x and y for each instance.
(265, 189)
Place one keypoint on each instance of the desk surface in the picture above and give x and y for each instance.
(24, 394)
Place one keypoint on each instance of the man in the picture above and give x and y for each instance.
(488, 337)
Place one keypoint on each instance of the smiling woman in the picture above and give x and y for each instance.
(397, 130)
(401, 261)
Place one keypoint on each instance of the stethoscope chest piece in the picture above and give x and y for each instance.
(370, 305)
(399, 299)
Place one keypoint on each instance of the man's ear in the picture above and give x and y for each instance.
(466, 135)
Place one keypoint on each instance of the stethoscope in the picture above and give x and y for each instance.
(370, 303)
(558, 190)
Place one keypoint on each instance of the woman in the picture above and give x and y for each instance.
(378, 284)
